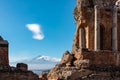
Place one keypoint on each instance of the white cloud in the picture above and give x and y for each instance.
(36, 30)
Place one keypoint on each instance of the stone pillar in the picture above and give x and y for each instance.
(97, 28)
(4, 45)
(82, 38)
(114, 29)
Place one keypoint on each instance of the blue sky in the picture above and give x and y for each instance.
(37, 27)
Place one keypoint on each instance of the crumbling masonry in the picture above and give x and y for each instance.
(20, 72)
(97, 35)
(96, 47)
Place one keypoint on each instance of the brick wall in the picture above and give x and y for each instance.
(3, 52)
(102, 58)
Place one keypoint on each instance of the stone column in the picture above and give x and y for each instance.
(114, 29)
(82, 38)
(97, 28)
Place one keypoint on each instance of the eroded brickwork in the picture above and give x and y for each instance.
(96, 46)
(85, 10)
(7, 72)
(3, 52)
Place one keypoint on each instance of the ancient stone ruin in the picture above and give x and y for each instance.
(95, 53)
(20, 72)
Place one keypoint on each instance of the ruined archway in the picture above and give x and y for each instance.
(102, 29)
(82, 38)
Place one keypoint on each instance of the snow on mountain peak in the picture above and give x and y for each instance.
(47, 58)
(39, 62)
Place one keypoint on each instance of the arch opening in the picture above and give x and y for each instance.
(102, 29)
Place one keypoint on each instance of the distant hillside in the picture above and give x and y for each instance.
(40, 62)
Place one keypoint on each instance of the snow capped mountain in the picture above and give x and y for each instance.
(39, 62)
(46, 58)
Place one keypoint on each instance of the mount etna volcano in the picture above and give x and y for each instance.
(40, 62)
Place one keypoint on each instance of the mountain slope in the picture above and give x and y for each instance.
(39, 62)
(45, 58)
